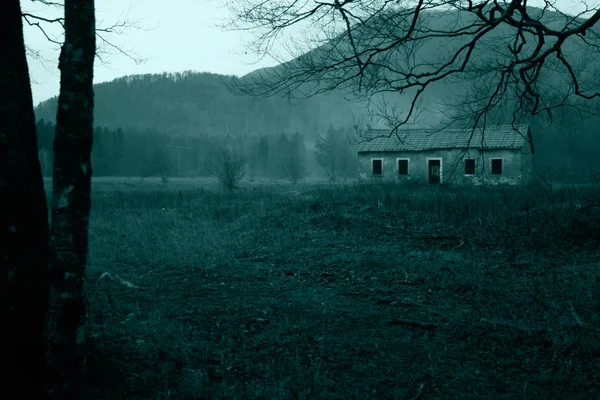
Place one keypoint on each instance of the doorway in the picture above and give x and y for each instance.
(435, 171)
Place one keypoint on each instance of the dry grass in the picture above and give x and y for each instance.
(358, 291)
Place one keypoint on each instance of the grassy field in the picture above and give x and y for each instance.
(343, 292)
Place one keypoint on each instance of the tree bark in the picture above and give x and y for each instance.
(23, 221)
(71, 203)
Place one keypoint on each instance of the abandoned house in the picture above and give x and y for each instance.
(497, 155)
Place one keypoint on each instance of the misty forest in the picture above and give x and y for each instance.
(405, 206)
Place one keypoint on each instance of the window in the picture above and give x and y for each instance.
(377, 166)
(496, 166)
(470, 166)
(403, 166)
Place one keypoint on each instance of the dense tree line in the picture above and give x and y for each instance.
(117, 152)
(145, 153)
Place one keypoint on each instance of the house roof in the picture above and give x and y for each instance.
(494, 137)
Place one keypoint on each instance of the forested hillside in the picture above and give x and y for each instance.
(197, 104)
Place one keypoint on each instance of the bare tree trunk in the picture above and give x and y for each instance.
(23, 221)
(71, 203)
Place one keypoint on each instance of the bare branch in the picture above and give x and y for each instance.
(103, 34)
(229, 167)
(28, 17)
(368, 48)
(49, 3)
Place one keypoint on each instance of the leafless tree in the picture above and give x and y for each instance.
(327, 153)
(229, 167)
(293, 168)
(71, 202)
(41, 276)
(24, 230)
(532, 58)
(160, 164)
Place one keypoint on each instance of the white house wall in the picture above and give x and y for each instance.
(516, 166)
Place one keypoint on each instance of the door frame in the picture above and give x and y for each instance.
(441, 160)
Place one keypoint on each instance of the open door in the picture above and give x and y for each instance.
(434, 168)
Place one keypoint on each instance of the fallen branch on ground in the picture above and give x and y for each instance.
(117, 278)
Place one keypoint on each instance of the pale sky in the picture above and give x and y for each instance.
(173, 36)
(176, 35)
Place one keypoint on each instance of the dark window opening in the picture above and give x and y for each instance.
(377, 167)
(402, 167)
(470, 167)
(497, 166)
(435, 171)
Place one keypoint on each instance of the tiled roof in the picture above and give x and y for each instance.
(496, 137)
